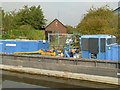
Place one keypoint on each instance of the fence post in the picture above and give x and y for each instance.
(48, 37)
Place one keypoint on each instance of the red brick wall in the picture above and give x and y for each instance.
(56, 26)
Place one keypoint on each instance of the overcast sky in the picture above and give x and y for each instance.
(69, 13)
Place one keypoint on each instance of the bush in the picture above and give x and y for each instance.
(25, 31)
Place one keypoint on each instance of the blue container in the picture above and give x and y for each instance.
(1, 46)
(113, 52)
(103, 49)
(11, 46)
(102, 56)
(43, 45)
(108, 53)
(85, 54)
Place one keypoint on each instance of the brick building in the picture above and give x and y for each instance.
(55, 27)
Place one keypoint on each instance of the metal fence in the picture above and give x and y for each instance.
(58, 40)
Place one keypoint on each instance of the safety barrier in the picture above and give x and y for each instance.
(84, 62)
(102, 67)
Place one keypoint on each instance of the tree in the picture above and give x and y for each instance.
(75, 36)
(70, 29)
(98, 21)
(27, 22)
(1, 12)
(32, 16)
(118, 32)
(8, 21)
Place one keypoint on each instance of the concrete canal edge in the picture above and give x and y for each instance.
(62, 74)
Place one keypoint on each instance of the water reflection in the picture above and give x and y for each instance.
(20, 80)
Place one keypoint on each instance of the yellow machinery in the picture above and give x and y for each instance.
(47, 53)
(59, 51)
(41, 52)
(26, 52)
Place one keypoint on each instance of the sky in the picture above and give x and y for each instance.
(69, 13)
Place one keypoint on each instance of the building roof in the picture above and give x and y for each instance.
(98, 36)
(53, 21)
(117, 9)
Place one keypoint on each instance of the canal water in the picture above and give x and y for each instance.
(22, 80)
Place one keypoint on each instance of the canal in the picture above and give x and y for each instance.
(22, 80)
